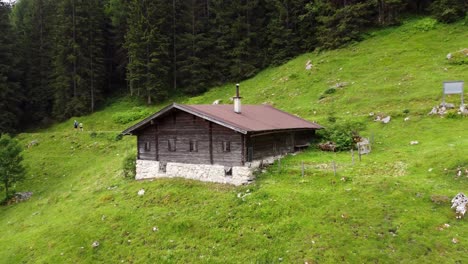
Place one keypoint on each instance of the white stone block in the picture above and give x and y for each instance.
(241, 175)
(146, 169)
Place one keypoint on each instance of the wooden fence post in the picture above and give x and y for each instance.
(334, 168)
(352, 156)
(302, 169)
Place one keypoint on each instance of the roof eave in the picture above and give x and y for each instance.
(130, 130)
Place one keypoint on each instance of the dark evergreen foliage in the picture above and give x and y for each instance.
(65, 56)
(10, 89)
(449, 10)
(11, 169)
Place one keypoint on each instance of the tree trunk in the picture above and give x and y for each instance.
(74, 49)
(174, 51)
(5, 181)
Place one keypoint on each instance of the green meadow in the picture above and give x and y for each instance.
(386, 208)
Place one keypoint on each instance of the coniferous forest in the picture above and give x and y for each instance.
(62, 58)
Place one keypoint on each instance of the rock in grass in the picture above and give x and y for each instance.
(141, 192)
(414, 142)
(33, 143)
(386, 120)
(95, 244)
(460, 203)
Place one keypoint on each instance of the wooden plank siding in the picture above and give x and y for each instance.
(233, 157)
(147, 137)
(211, 140)
(278, 143)
(272, 145)
(181, 128)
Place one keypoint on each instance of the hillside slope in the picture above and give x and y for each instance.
(376, 210)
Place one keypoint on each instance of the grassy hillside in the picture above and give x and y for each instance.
(376, 210)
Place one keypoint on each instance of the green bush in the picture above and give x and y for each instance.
(425, 24)
(129, 166)
(127, 117)
(330, 91)
(459, 57)
(448, 11)
(453, 113)
(342, 134)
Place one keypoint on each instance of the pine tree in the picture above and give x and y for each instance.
(32, 20)
(10, 92)
(388, 11)
(11, 169)
(340, 22)
(78, 65)
(148, 49)
(449, 11)
(193, 46)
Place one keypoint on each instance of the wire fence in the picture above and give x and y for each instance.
(304, 168)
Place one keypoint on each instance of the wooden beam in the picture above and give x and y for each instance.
(210, 135)
(157, 142)
(281, 131)
(138, 146)
(243, 158)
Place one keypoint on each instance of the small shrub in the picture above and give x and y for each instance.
(330, 91)
(129, 166)
(406, 111)
(447, 11)
(293, 76)
(118, 137)
(459, 57)
(127, 117)
(453, 114)
(425, 24)
(331, 119)
(342, 134)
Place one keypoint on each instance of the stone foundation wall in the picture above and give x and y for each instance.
(146, 169)
(150, 169)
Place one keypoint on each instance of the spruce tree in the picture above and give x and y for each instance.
(11, 169)
(148, 46)
(10, 89)
(32, 20)
(78, 65)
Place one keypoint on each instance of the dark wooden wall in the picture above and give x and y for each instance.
(273, 144)
(181, 128)
(147, 135)
(234, 156)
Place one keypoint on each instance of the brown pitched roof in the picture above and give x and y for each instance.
(254, 118)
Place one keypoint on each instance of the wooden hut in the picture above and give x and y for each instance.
(220, 136)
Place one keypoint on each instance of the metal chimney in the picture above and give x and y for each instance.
(237, 101)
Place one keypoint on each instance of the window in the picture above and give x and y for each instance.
(226, 146)
(147, 146)
(171, 144)
(193, 146)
